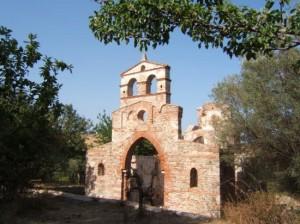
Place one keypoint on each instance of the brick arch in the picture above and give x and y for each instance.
(151, 80)
(132, 87)
(160, 152)
(153, 140)
(199, 139)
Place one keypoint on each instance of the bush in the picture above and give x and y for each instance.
(30, 145)
(258, 208)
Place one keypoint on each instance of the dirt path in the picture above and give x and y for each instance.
(49, 209)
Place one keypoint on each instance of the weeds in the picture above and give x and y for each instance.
(258, 208)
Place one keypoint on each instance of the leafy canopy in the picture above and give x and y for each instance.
(264, 106)
(71, 164)
(239, 31)
(29, 143)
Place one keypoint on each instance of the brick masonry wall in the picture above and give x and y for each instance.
(177, 157)
(177, 154)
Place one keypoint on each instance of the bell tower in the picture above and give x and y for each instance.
(146, 81)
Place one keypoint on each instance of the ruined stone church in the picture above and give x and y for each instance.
(183, 171)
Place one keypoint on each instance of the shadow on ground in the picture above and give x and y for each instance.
(47, 209)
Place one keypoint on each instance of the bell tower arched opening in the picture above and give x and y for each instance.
(144, 178)
(151, 85)
(151, 81)
(132, 87)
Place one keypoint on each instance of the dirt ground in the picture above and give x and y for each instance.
(47, 209)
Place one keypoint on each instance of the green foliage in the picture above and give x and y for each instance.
(28, 141)
(291, 179)
(239, 31)
(144, 148)
(73, 126)
(103, 128)
(70, 165)
(264, 106)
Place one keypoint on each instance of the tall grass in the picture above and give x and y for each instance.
(258, 208)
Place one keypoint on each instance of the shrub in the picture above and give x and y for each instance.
(258, 208)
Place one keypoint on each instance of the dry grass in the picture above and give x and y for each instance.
(259, 208)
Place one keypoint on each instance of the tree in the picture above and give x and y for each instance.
(239, 31)
(144, 148)
(264, 106)
(28, 141)
(71, 162)
(103, 128)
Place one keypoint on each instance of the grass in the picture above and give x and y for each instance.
(260, 208)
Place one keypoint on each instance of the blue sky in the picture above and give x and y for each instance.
(63, 32)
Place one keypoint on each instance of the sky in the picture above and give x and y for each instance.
(63, 32)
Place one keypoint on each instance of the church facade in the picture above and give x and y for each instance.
(183, 173)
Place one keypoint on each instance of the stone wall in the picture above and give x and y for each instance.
(177, 158)
(203, 199)
(177, 154)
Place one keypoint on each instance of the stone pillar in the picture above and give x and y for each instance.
(142, 88)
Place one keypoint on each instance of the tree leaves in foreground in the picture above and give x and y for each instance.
(29, 141)
(239, 31)
(264, 103)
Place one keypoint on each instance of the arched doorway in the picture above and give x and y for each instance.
(143, 176)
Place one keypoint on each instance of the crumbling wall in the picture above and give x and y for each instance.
(177, 154)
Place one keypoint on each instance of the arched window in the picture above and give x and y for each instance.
(151, 84)
(143, 67)
(142, 115)
(132, 87)
(199, 139)
(101, 170)
(193, 178)
(213, 120)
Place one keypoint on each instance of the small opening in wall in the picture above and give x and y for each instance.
(199, 139)
(161, 86)
(124, 92)
(100, 169)
(214, 119)
(143, 68)
(193, 178)
(142, 115)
